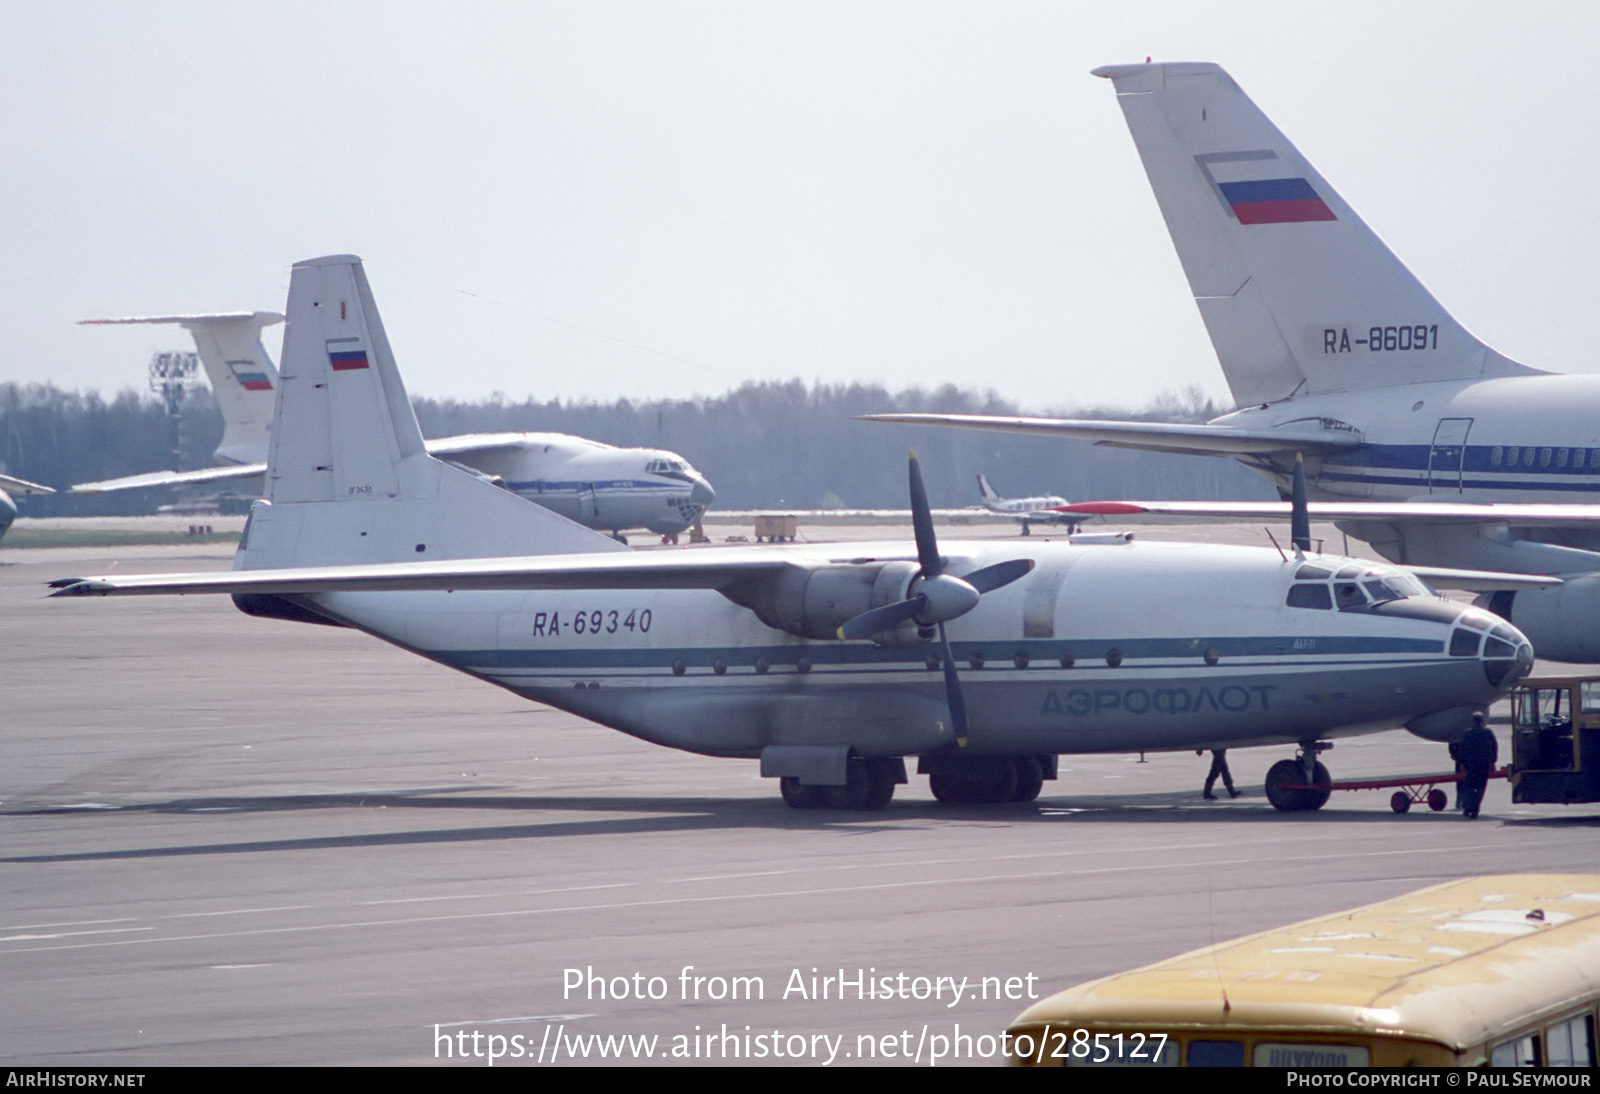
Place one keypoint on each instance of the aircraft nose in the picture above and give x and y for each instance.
(701, 493)
(1507, 655)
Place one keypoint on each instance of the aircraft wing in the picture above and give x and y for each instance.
(446, 447)
(173, 478)
(470, 443)
(1184, 438)
(719, 568)
(13, 485)
(1509, 514)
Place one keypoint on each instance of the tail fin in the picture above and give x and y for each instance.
(348, 477)
(986, 490)
(242, 375)
(1297, 292)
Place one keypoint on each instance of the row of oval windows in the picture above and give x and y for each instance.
(1544, 457)
(933, 662)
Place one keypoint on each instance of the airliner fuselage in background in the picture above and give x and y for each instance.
(600, 486)
(1418, 438)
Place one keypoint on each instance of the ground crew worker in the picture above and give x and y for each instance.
(1477, 751)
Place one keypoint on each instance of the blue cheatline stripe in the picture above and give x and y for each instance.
(1478, 471)
(549, 487)
(1088, 652)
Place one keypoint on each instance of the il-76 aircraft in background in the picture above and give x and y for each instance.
(11, 485)
(1418, 438)
(1042, 509)
(829, 663)
(598, 485)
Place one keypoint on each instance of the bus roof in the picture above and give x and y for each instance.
(1458, 963)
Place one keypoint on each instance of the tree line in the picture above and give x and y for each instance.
(771, 444)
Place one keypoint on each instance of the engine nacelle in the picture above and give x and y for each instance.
(816, 603)
(1563, 623)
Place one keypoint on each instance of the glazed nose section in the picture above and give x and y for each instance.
(1507, 655)
(701, 493)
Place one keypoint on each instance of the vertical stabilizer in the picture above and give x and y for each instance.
(987, 491)
(348, 477)
(242, 376)
(1298, 294)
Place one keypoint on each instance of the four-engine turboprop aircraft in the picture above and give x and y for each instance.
(1042, 509)
(829, 663)
(598, 485)
(1419, 439)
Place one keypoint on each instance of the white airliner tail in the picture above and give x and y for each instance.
(242, 376)
(349, 479)
(1298, 294)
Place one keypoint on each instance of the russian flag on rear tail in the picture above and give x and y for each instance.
(1275, 201)
(345, 354)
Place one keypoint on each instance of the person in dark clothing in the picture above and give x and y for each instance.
(1219, 767)
(1476, 751)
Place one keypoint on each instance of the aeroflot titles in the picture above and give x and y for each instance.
(1081, 701)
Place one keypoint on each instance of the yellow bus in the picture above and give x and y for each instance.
(1501, 971)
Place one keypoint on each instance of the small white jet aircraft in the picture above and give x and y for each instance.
(598, 485)
(9, 485)
(829, 663)
(1044, 509)
(1418, 438)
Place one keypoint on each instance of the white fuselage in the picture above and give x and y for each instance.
(1107, 647)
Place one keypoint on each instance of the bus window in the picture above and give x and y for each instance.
(1572, 1042)
(1216, 1053)
(1518, 1052)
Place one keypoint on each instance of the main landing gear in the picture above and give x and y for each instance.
(870, 781)
(869, 784)
(1301, 783)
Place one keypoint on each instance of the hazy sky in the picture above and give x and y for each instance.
(593, 199)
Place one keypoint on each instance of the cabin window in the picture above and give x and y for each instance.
(1561, 457)
(1310, 596)
(1527, 456)
(1571, 1043)
(1497, 455)
(1544, 457)
(1511, 457)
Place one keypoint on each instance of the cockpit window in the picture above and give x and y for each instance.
(1313, 573)
(1349, 572)
(1310, 596)
(1348, 595)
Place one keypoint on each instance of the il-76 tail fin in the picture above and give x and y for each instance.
(242, 375)
(349, 479)
(1298, 294)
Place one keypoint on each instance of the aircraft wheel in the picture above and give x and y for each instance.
(1400, 801)
(1287, 772)
(1030, 778)
(880, 782)
(1438, 800)
(798, 796)
(979, 779)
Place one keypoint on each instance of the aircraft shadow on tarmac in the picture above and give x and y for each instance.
(650, 815)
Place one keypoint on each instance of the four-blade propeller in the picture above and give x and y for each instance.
(935, 596)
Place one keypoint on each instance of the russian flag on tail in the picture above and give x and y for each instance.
(345, 354)
(1275, 201)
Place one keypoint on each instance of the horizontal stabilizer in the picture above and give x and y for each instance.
(13, 485)
(172, 478)
(1187, 439)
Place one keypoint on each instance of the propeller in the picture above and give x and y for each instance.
(935, 596)
(1299, 509)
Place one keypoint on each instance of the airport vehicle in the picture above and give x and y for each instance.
(1419, 438)
(598, 485)
(1043, 509)
(829, 663)
(9, 485)
(1555, 739)
(1503, 971)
